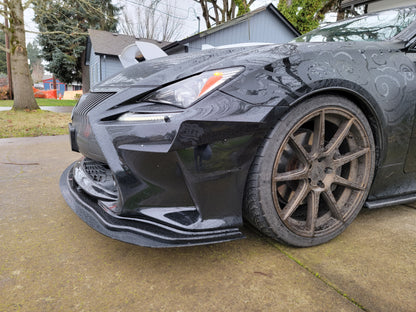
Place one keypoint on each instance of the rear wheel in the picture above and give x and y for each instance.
(313, 172)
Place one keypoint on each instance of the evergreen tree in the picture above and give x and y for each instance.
(306, 15)
(64, 30)
(33, 54)
(3, 63)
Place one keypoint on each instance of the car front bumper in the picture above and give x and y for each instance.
(176, 183)
(144, 229)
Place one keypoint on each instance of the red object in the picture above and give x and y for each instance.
(45, 94)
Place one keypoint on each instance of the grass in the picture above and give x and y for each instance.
(33, 123)
(43, 102)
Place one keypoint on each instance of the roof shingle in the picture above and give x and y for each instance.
(108, 43)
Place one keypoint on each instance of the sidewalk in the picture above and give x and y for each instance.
(51, 260)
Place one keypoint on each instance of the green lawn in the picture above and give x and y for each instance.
(33, 123)
(43, 102)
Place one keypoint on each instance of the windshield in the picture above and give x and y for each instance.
(375, 27)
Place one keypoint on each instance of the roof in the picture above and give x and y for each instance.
(236, 21)
(108, 43)
(352, 3)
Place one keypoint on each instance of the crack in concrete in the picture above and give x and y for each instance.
(308, 269)
(315, 274)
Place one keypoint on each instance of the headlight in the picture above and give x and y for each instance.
(185, 92)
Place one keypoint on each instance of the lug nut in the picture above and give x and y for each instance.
(328, 170)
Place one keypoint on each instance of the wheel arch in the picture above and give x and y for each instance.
(374, 117)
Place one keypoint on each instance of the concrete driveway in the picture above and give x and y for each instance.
(51, 261)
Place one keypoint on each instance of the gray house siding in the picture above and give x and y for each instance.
(102, 67)
(110, 65)
(95, 68)
(384, 5)
(376, 5)
(269, 29)
(262, 27)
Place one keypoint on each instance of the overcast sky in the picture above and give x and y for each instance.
(191, 23)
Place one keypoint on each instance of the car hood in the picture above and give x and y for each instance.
(156, 72)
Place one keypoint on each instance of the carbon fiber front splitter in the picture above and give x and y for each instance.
(140, 231)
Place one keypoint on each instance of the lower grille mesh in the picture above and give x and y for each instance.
(95, 179)
(97, 171)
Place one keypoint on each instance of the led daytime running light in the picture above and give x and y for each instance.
(143, 117)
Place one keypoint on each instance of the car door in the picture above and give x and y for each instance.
(410, 163)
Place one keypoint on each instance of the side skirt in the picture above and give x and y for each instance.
(385, 202)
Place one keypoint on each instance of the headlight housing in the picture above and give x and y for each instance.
(186, 92)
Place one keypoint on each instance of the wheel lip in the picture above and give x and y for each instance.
(357, 202)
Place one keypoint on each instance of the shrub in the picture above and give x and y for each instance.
(4, 92)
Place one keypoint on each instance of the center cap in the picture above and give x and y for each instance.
(318, 173)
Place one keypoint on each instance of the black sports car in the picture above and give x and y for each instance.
(295, 138)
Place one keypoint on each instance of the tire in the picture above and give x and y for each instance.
(312, 173)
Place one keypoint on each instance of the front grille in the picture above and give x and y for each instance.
(95, 179)
(89, 101)
(98, 172)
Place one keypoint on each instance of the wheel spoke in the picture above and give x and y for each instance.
(347, 183)
(299, 150)
(290, 175)
(339, 136)
(333, 205)
(318, 134)
(312, 216)
(349, 157)
(296, 200)
(285, 191)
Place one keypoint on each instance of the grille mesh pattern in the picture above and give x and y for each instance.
(89, 101)
(97, 171)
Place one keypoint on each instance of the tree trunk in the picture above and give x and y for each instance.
(8, 62)
(85, 73)
(22, 81)
(205, 12)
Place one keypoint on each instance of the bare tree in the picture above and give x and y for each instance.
(223, 11)
(22, 81)
(152, 19)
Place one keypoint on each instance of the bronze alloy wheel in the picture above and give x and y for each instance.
(313, 172)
